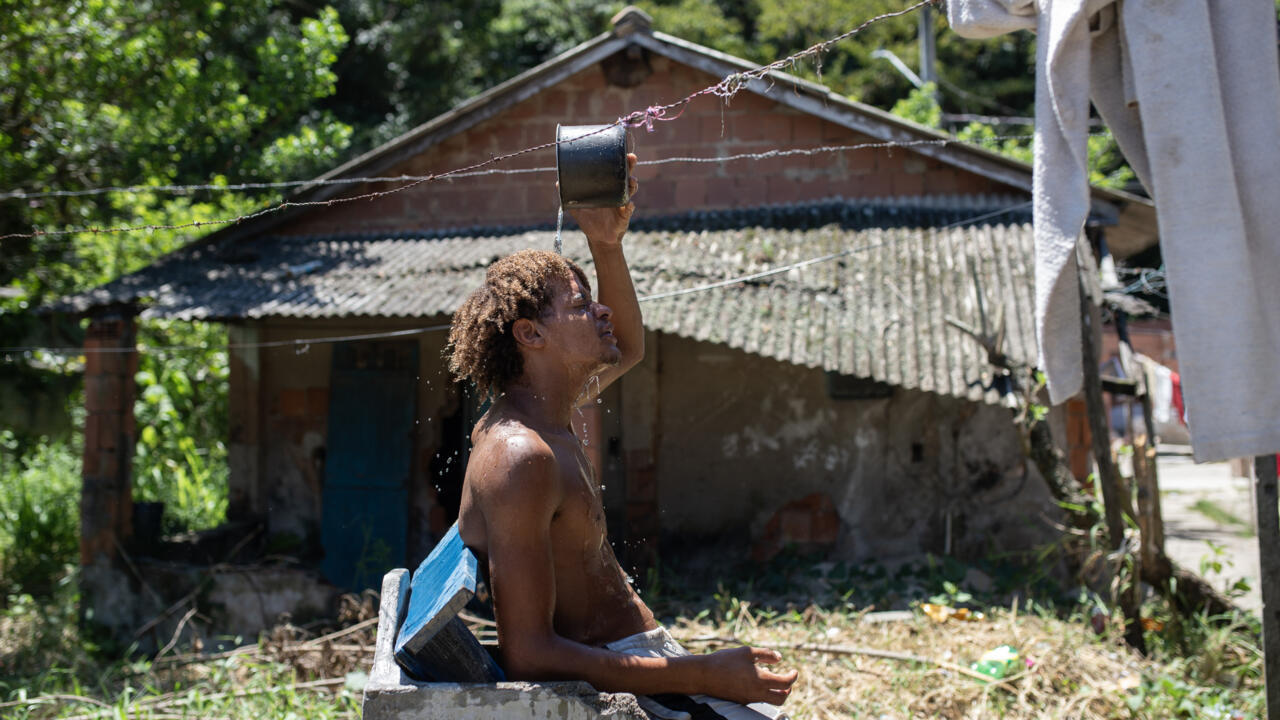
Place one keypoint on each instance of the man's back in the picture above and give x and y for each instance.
(594, 602)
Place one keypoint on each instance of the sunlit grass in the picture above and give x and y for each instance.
(1222, 516)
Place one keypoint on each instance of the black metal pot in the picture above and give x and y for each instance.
(591, 165)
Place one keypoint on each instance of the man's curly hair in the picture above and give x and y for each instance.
(521, 285)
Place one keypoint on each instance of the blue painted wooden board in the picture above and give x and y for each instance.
(364, 514)
(433, 643)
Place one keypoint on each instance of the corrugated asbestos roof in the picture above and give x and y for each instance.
(878, 311)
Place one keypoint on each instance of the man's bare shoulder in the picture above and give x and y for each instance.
(508, 455)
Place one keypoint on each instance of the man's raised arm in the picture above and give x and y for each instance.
(604, 228)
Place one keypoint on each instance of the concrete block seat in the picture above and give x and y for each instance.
(421, 641)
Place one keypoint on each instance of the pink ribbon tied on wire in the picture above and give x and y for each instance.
(650, 114)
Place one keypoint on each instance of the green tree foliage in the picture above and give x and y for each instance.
(527, 32)
(113, 92)
(406, 62)
(988, 76)
(101, 93)
(1107, 167)
(39, 513)
(712, 24)
(181, 412)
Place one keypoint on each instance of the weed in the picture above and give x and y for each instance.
(181, 456)
(951, 595)
(1222, 516)
(39, 515)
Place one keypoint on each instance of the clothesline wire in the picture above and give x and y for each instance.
(303, 344)
(777, 152)
(725, 89)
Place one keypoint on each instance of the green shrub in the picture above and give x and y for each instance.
(181, 457)
(39, 514)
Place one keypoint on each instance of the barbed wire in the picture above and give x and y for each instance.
(236, 187)
(414, 180)
(298, 343)
(725, 89)
(761, 155)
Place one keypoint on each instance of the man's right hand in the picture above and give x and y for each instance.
(735, 674)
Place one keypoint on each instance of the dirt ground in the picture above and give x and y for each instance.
(1189, 531)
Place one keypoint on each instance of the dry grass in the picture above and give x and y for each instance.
(1073, 673)
(851, 666)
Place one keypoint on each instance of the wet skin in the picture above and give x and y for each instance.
(594, 602)
(532, 512)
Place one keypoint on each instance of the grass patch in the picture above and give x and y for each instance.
(1067, 671)
(1222, 516)
(850, 667)
(48, 669)
(39, 515)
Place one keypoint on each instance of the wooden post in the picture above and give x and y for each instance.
(1150, 516)
(1264, 486)
(1114, 495)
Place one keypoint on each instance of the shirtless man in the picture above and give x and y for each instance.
(531, 510)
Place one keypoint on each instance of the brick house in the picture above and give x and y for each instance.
(793, 408)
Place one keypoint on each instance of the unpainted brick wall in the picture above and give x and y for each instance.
(707, 128)
(106, 503)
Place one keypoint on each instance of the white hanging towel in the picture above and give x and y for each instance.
(1191, 91)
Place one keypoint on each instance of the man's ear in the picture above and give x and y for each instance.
(528, 332)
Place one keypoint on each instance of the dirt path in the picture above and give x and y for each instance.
(1189, 529)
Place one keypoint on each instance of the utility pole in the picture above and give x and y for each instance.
(928, 55)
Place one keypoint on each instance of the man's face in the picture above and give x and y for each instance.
(580, 328)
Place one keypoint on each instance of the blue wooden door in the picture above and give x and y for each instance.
(365, 513)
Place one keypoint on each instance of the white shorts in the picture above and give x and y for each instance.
(659, 643)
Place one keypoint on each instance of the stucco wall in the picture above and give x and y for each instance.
(744, 435)
(738, 437)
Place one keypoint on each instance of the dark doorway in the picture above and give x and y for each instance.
(372, 405)
(449, 464)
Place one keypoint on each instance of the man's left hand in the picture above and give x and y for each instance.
(608, 225)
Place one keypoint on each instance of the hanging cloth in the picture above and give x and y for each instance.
(1191, 91)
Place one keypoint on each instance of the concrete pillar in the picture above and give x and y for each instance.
(106, 499)
(641, 436)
